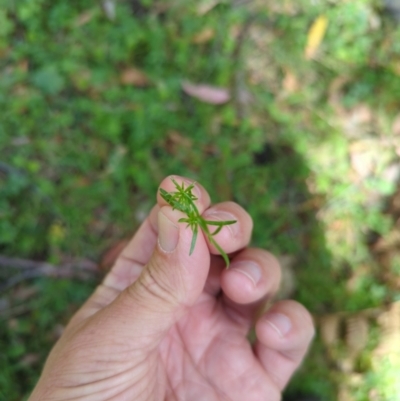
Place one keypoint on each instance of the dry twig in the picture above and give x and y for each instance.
(82, 269)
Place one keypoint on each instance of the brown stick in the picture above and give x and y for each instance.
(82, 269)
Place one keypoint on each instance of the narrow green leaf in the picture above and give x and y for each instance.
(219, 223)
(221, 251)
(217, 230)
(183, 200)
(194, 239)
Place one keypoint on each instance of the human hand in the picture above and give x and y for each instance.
(168, 326)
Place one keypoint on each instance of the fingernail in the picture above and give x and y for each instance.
(250, 269)
(280, 323)
(216, 215)
(168, 233)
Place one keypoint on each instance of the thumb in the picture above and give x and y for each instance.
(172, 281)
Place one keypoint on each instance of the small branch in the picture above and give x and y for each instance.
(82, 269)
(236, 61)
(15, 311)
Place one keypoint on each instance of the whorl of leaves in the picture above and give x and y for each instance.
(183, 200)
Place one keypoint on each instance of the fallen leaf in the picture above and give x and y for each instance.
(288, 280)
(361, 114)
(206, 93)
(357, 121)
(396, 126)
(135, 77)
(330, 329)
(178, 138)
(84, 18)
(204, 36)
(206, 5)
(363, 157)
(389, 341)
(290, 83)
(356, 333)
(391, 174)
(315, 36)
(389, 241)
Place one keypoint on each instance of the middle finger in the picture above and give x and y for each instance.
(252, 280)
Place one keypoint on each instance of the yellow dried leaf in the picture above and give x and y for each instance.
(315, 36)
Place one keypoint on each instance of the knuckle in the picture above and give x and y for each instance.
(155, 283)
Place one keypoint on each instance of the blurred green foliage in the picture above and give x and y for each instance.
(82, 151)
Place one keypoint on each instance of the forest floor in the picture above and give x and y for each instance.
(290, 108)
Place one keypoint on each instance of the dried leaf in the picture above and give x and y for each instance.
(135, 77)
(329, 327)
(84, 18)
(389, 241)
(396, 126)
(206, 5)
(206, 93)
(204, 36)
(288, 279)
(290, 83)
(389, 322)
(391, 174)
(361, 114)
(363, 157)
(177, 144)
(356, 333)
(315, 36)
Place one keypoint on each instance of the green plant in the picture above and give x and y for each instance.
(183, 200)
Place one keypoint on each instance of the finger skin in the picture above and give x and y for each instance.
(213, 282)
(246, 292)
(232, 237)
(281, 354)
(137, 253)
(129, 265)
